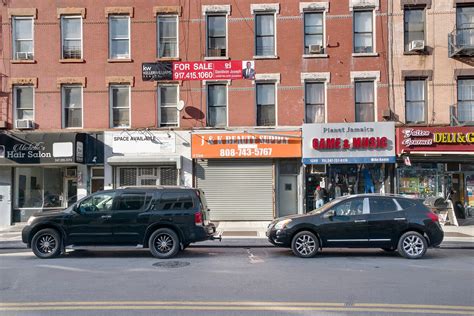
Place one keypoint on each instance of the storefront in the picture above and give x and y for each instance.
(147, 158)
(41, 171)
(348, 158)
(436, 161)
(249, 175)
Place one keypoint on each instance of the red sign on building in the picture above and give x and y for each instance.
(208, 70)
(435, 139)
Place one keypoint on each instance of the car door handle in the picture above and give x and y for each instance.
(106, 216)
(360, 221)
(399, 218)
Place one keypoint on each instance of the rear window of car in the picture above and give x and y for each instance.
(175, 201)
(131, 201)
(382, 205)
(406, 203)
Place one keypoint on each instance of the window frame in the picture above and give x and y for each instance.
(158, 16)
(275, 89)
(257, 14)
(461, 78)
(354, 33)
(324, 83)
(374, 108)
(425, 101)
(63, 105)
(15, 105)
(112, 17)
(323, 13)
(405, 32)
(218, 14)
(111, 87)
(398, 207)
(160, 123)
(63, 38)
(14, 39)
(217, 83)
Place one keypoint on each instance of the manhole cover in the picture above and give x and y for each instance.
(171, 264)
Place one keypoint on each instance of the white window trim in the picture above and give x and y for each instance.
(267, 78)
(318, 77)
(309, 7)
(266, 8)
(374, 34)
(218, 82)
(111, 119)
(159, 104)
(213, 13)
(15, 105)
(14, 18)
(62, 33)
(367, 76)
(63, 103)
(111, 17)
(158, 35)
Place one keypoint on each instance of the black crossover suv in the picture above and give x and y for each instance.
(361, 221)
(163, 219)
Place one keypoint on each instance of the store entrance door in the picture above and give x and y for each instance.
(287, 195)
(71, 197)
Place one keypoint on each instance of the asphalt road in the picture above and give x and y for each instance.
(237, 281)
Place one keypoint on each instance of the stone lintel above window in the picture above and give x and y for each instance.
(209, 9)
(411, 3)
(362, 75)
(363, 4)
(71, 11)
(23, 12)
(31, 81)
(315, 76)
(468, 72)
(428, 74)
(275, 77)
(461, 2)
(130, 80)
(313, 6)
(119, 10)
(168, 9)
(71, 80)
(265, 7)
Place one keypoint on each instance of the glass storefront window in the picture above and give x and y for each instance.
(420, 182)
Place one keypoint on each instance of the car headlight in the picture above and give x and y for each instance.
(282, 224)
(30, 220)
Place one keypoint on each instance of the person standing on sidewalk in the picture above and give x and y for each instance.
(318, 197)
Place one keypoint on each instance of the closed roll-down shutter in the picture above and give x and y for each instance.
(237, 189)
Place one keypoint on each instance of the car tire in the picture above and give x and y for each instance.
(305, 244)
(46, 243)
(412, 245)
(388, 249)
(164, 243)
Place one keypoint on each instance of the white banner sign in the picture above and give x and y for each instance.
(143, 142)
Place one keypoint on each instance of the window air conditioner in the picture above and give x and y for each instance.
(315, 49)
(416, 45)
(25, 124)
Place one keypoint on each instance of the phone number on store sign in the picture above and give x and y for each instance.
(245, 152)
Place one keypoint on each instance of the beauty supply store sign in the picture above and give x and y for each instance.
(342, 143)
(435, 139)
(285, 144)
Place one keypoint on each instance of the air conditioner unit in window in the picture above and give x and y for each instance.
(416, 45)
(315, 49)
(25, 124)
(24, 56)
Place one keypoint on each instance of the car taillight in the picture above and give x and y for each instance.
(198, 218)
(433, 217)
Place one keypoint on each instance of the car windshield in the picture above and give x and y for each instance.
(325, 207)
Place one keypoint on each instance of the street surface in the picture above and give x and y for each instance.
(237, 281)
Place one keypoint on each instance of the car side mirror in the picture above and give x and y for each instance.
(329, 214)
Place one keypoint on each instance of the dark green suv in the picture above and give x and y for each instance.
(163, 219)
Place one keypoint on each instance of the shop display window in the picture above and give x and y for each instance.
(420, 182)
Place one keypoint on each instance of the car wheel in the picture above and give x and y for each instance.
(305, 244)
(389, 249)
(46, 243)
(412, 245)
(164, 243)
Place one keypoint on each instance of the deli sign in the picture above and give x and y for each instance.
(440, 139)
(342, 143)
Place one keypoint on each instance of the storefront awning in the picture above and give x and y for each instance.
(145, 160)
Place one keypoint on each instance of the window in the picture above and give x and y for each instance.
(24, 103)
(405, 203)
(23, 48)
(314, 102)
(265, 35)
(217, 105)
(363, 32)
(465, 25)
(120, 105)
(168, 99)
(414, 25)
(381, 205)
(39, 187)
(101, 202)
(119, 37)
(97, 179)
(175, 201)
(465, 100)
(266, 104)
(131, 201)
(415, 100)
(167, 36)
(72, 106)
(313, 31)
(131, 176)
(71, 37)
(350, 208)
(216, 35)
(364, 101)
